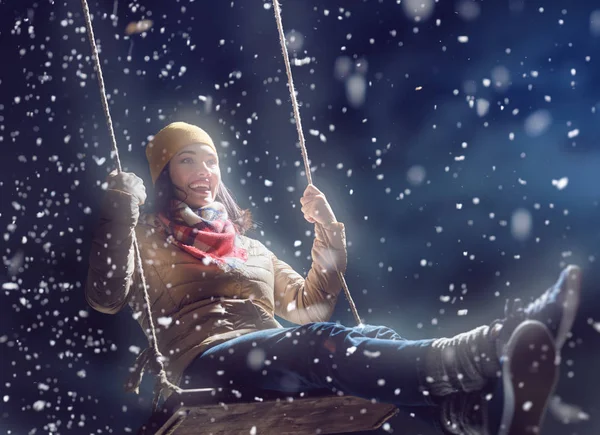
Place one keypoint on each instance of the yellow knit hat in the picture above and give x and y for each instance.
(169, 141)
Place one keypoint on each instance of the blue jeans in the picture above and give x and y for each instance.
(372, 362)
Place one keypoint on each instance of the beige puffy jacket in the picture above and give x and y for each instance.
(195, 306)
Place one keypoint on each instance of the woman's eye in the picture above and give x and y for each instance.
(212, 162)
(186, 160)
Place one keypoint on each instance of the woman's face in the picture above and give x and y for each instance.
(195, 170)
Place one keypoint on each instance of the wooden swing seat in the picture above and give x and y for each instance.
(225, 413)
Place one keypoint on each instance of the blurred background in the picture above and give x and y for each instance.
(457, 141)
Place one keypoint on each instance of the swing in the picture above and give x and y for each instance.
(204, 411)
(271, 413)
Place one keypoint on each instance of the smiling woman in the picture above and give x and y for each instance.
(214, 294)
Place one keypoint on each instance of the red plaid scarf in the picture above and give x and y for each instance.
(206, 233)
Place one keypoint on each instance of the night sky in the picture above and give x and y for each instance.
(458, 141)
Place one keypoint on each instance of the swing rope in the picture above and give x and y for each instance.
(162, 379)
(288, 69)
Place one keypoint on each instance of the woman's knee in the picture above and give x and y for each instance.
(378, 331)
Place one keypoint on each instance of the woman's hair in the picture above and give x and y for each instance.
(164, 191)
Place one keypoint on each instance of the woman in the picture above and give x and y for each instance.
(214, 293)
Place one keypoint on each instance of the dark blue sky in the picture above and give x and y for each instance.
(460, 149)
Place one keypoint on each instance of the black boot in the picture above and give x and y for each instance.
(556, 308)
(515, 403)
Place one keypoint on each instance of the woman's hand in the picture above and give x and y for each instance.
(315, 207)
(127, 182)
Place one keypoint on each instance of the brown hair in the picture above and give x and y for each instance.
(164, 191)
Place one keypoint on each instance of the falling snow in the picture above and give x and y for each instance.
(462, 159)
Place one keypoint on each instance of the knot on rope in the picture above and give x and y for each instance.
(162, 383)
(151, 359)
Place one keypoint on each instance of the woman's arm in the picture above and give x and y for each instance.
(312, 299)
(112, 256)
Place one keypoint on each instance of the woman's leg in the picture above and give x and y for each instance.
(344, 360)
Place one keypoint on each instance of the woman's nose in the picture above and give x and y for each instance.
(203, 169)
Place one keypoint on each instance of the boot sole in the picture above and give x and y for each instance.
(529, 376)
(571, 278)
